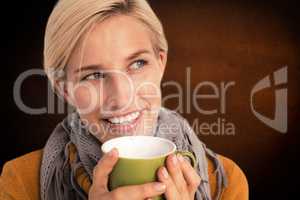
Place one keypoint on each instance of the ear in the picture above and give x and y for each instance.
(162, 61)
(64, 91)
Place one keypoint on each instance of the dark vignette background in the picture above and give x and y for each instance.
(241, 41)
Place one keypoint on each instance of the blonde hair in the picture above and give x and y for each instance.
(70, 20)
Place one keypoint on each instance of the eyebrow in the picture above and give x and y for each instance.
(97, 66)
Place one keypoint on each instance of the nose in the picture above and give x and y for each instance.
(120, 92)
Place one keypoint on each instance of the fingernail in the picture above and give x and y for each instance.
(174, 160)
(180, 158)
(165, 173)
(112, 153)
(160, 187)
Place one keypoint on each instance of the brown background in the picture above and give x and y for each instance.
(240, 41)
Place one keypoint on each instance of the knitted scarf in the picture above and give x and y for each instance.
(57, 176)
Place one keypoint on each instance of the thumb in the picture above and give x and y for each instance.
(103, 169)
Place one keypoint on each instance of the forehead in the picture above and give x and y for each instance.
(113, 39)
(119, 30)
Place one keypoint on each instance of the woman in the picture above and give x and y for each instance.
(106, 58)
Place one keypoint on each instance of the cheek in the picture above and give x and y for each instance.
(86, 98)
(148, 89)
(149, 82)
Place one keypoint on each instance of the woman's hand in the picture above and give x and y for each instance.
(180, 178)
(99, 190)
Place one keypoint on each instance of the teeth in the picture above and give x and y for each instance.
(124, 119)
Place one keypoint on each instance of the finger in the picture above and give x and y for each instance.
(103, 169)
(174, 169)
(138, 192)
(171, 190)
(190, 175)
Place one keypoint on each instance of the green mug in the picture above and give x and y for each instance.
(139, 159)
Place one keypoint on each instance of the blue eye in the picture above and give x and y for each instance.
(94, 76)
(138, 64)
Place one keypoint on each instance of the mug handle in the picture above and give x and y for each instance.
(190, 156)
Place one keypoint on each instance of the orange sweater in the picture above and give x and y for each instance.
(20, 179)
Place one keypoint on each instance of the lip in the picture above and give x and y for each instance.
(120, 115)
(123, 128)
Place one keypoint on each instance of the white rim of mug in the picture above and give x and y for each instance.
(141, 136)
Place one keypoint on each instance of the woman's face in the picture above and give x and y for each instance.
(113, 79)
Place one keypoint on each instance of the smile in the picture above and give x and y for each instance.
(127, 119)
(124, 123)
